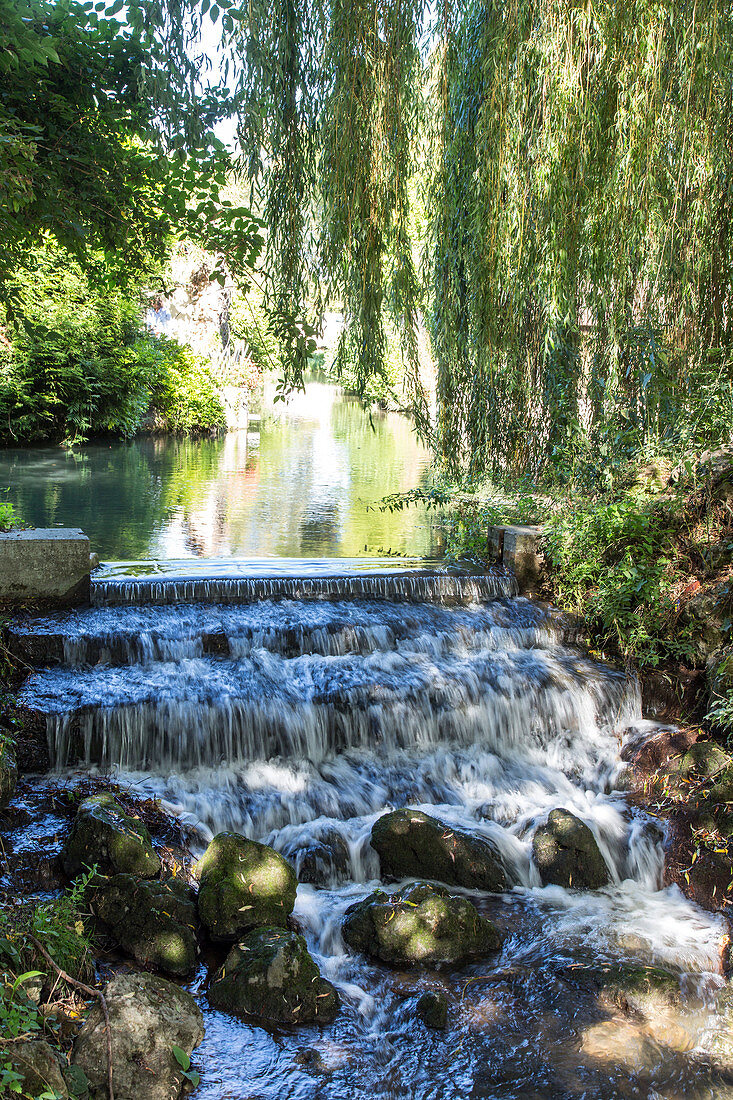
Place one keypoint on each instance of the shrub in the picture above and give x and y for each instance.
(79, 363)
(186, 397)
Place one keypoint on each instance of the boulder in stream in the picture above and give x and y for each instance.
(103, 835)
(324, 861)
(8, 773)
(432, 1009)
(566, 853)
(420, 924)
(271, 975)
(149, 1016)
(155, 922)
(243, 885)
(411, 843)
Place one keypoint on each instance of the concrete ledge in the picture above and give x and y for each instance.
(47, 566)
(519, 549)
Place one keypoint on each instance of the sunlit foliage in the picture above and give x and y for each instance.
(577, 160)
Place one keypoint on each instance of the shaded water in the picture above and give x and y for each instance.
(296, 485)
(300, 721)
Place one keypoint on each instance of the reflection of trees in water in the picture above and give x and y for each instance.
(303, 491)
(320, 536)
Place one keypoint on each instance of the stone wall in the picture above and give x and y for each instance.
(519, 549)
(44, 566)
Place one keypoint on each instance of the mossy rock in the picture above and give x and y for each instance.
(271, 975)
(154, 922)
(103, 835)
(41, 1068)
(243, 885)
(432, 1009)
(422, 924)
(148, 1017)
(8, 773)
(705, 759)
(410, 843)
(566, 853)
(703, 617)
(637, 989)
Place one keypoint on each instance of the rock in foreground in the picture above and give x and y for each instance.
(566, 853)
(8, 773)
(432, 1009)
(420, 924)
(148, 1017)
(103, 835)
(243, 885)
(41, 1068)
(409, 843)
(155, 922)
(270, 975)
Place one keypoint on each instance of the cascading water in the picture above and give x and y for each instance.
(297, 711)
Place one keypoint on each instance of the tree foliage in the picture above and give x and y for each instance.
(81, 363)
(106, 139)
(577, 159)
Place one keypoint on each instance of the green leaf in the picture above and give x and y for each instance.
(182, 1058)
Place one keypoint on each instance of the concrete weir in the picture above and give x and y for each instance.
(519, 549)
(44, 566)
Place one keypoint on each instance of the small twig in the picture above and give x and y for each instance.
(90, 992)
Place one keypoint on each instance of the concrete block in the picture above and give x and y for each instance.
(519, 549)
(46, 566)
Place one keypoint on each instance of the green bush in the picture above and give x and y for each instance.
(79, 363)
(8, 519)
(613, 561)
(185, 396)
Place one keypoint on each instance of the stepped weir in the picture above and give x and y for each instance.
(297, 710)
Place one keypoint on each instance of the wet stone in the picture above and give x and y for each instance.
(421, 924)
(148, 1017)
(103, 835)
(243, 885)
(411, 843)
(432, 1009)
(323, 862)
(271, 975)
(154, 922)
(566, 853)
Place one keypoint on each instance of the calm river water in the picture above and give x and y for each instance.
(297, 485)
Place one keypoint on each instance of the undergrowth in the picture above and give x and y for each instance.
(34, 999)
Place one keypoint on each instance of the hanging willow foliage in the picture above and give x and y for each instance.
(576, 163)
(581, 200)
(331, 95)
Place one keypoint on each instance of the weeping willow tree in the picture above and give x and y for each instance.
(580, 239)
(575, 158)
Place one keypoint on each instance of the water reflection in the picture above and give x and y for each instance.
(296, 485)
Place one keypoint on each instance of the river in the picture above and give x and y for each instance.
(298, 706)
(296, 485)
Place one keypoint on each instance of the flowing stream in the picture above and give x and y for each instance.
(297, 710)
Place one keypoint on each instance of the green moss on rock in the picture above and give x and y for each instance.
(432, 1009)
(155, 922)
(243, 885)
(420, 924)
(271, 975)
(104, 835)
(411, 843)
(566, 853)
